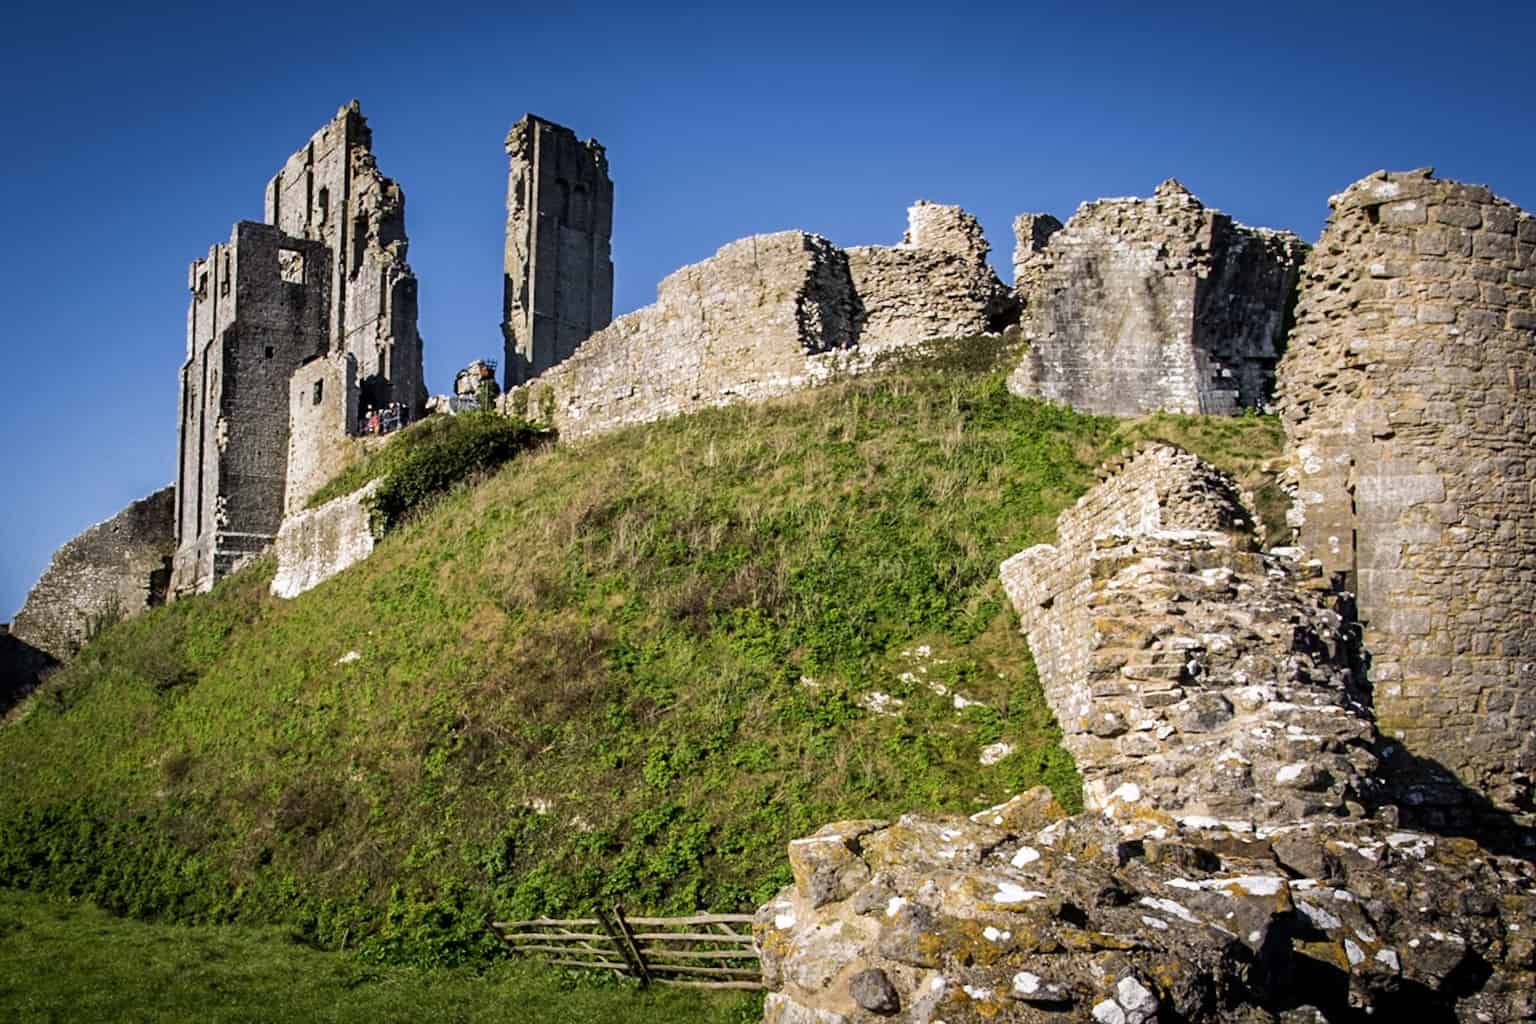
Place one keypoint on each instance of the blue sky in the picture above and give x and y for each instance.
(133, 140)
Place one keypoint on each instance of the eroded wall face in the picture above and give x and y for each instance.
(1407, 399)
(558, 268)
(260, 309)
(116, 568)
(332, 191)
(1139, 305)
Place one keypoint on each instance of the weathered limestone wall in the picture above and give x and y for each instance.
(1189, 672)
(332, 191)
(1146, 304)
(557, 264)
(259, 310)
(316, 544)
(119, 567)
(323, 414)
(768, 315)
(1406, 395)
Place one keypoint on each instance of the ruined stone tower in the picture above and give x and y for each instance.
(1406, 396)
(294, 325)
(332, 191)
(558, 269)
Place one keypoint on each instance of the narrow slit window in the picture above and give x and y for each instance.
(319, 392)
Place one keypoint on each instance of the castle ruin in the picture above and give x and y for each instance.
(557, 265)
(295, 326)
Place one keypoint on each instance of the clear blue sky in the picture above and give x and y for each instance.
(132, 141)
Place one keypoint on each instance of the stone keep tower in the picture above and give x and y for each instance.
(558, 267)
(1406, 396)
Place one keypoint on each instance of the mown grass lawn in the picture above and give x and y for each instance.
(70, 962)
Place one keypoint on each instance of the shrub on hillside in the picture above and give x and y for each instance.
(429, 457)
(479, 442)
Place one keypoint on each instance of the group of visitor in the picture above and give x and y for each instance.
(383, 421)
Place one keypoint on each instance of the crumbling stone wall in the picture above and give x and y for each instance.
(768, 315)
(1031, 233)
(1146, 304)
(260, 305)
(316, 544)
(557, 264)
(115, 568)
(1406, 396)
(332, 191)
(1020, 915)
(1189, 672)
(935, 284)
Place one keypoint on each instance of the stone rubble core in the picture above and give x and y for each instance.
(1139, 305)
(771, 314)
(116, 568)
(1189, 672)
(1406, 397)
(295, 326)
(1021, 914)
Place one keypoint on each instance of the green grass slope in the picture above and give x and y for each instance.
(628, 670)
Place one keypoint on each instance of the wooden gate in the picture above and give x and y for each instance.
(703, 951)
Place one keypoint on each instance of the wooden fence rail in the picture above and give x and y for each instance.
(702, 951)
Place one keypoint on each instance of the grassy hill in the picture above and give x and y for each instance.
(626, 670)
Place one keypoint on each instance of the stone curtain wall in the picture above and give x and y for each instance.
(768, 315)
(259, 310)
(119, 567)
(1146, 304)
(1407, 401)
(332, 191)
(316, 544)
(1190, 673)
(557, 263)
